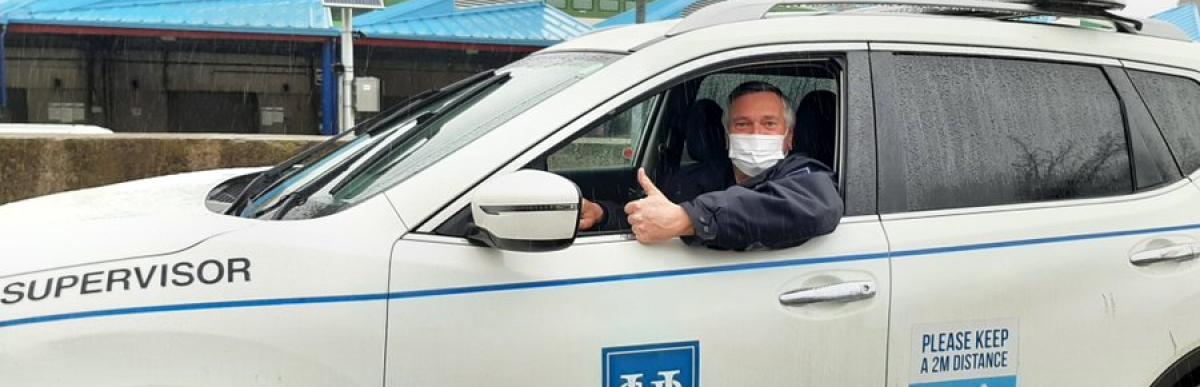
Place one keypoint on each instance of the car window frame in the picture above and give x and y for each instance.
(1136, 109)
(1188, 74)
(661, 84)
(888, 170)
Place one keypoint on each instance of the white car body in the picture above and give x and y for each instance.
(371, 296)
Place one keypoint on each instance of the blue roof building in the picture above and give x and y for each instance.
(282, 17)
(655, 11)
(1186, 17)
(532, 24)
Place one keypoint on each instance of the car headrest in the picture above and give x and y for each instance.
(705, 131)
(815, 133)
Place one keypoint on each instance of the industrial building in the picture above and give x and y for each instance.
(242, 66)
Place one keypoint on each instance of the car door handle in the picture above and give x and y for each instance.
(843, 292)
(1182, 252)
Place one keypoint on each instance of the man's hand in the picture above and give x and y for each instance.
(590, 215)
(654, 218)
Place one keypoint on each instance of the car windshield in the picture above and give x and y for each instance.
(432, 129)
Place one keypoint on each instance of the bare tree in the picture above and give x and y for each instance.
(1069, 171)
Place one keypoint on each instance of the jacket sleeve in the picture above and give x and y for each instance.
(776, 214)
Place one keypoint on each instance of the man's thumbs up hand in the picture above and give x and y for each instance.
(656, 219)
(647, 185)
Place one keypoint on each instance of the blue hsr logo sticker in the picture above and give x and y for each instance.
(652, 365)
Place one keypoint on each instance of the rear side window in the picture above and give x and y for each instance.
(1175, 104)
(971, 131)
(718, 86)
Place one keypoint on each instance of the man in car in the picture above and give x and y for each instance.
(766, 201)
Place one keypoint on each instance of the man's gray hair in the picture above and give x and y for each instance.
(751, 87)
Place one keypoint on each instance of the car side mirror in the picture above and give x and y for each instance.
(527, 210)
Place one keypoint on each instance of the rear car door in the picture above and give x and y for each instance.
(609, 311)
(1170, 94)
(1028, 198)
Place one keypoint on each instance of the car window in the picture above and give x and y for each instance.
(1153, 164)
(1173, 102)
(966, 131)
(611, 143)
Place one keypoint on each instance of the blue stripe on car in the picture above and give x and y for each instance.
(574, 281)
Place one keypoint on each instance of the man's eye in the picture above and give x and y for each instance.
(741, 124)
(772, 124)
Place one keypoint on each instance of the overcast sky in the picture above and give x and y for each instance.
(1144, 8)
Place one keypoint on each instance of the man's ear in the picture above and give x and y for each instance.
(787, 142)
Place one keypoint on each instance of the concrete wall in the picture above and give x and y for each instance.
(35, 165)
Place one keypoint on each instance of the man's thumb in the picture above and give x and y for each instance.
(647, 185)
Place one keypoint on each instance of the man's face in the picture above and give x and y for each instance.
(762, 114)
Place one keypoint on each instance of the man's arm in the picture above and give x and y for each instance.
(779, 213)
(601, 215)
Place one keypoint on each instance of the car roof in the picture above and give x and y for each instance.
(900, 28)
(626, 38)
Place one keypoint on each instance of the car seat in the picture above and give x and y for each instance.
(815, 133)
(705, 143)
(706, 132)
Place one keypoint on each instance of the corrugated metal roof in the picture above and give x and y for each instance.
(519, 24)
(1185, 17)
(293, 17)
(462, 4)
(655, 11)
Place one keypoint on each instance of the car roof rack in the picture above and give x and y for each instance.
(731, 11)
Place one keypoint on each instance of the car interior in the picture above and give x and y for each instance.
(678, 133)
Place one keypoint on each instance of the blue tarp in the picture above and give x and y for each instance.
(519, 24)
(655, 11)
(1185, 17)
(289, 17)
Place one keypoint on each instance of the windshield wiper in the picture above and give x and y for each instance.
(269, 178)
(484, 85)
(301, 195)
(284, 203)
(375, 123)
(431, 94)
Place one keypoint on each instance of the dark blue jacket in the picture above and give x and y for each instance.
(784, 206)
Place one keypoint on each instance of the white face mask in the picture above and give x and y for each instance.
(754, 153)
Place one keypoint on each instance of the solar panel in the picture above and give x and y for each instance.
(371, 4)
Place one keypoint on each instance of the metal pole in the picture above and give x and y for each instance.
(329, 87)
(641, 11)
(347, 97)
(3, 64)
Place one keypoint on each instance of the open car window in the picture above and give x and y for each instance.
(653, 132)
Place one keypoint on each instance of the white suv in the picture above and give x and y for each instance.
(1018, 183)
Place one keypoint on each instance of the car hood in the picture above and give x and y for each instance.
(146, 217)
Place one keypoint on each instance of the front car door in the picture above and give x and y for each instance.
(609, 311)
(1023, 195)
